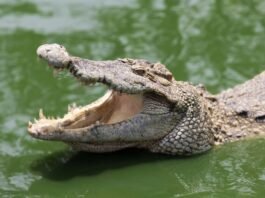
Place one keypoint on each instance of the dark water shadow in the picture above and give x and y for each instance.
(65, 165)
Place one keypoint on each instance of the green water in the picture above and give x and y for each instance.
(217, 43)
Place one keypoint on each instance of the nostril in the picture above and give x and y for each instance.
(47, 50)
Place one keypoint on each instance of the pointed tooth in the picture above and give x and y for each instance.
(35, 120)
(41, 115)
(74, 105)
(30, 124)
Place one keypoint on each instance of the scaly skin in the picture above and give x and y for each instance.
(161, 114)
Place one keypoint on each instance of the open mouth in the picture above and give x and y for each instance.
(113, 107)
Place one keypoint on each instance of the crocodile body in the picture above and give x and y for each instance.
(146, 107)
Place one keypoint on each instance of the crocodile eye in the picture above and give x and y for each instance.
(140, 71)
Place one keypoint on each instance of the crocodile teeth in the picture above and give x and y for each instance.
(41, 115)
(30, 124)
(72, 107)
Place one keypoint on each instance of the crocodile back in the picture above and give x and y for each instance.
(247, 99)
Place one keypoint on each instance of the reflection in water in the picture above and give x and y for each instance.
(217, 43)
(66, 165)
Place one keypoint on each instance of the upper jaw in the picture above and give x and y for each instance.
(115, 74)
(125, 75)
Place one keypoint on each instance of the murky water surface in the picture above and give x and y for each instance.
(217, 43)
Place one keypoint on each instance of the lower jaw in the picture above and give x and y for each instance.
(111, 108)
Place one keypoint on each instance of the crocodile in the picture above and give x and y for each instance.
(145, 107)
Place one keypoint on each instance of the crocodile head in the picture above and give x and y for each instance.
(142, 106)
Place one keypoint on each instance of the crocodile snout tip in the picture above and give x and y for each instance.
(54, 54)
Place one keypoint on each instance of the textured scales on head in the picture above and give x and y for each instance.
(145, 107)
